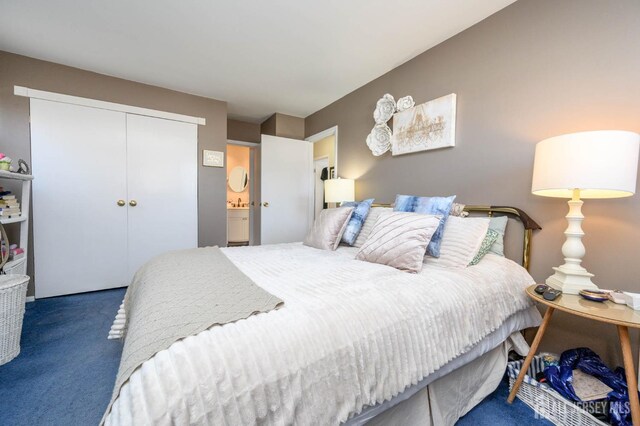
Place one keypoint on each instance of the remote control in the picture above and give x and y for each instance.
(551, 294)
(541, 288)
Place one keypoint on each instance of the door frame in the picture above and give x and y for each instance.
(253, 148)
(331, 131)
(242, 143)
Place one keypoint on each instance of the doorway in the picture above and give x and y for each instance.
(325, 162)
(240, 192)
(321, 173)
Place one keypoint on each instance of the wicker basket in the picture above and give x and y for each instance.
(544, 400)
(13, 292)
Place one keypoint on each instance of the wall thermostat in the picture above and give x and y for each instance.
(212, 158)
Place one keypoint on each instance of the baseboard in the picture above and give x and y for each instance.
(31, 299)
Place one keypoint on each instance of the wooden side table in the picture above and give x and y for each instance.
(620, 315)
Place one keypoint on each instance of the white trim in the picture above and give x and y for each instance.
(332, 131)
(75, 100)
(242, 143)
(323, 134)
(312, 189)
(30, 299)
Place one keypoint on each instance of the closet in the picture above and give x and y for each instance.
(114, 189)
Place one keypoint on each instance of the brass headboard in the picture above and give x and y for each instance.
(529, 224)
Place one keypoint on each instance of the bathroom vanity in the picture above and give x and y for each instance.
(238, 224)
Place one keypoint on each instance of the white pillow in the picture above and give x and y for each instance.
(461, 241)
(371, 219)
(399, 239)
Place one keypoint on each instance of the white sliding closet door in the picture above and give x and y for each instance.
(80, 232)
(162, 161)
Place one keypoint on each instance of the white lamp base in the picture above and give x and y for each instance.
(570, 282)
(572, 277)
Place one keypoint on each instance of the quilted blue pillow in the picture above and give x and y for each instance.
(440, 206)
(360, 213)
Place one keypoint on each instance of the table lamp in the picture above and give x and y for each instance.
(339, 190)
(599, 164)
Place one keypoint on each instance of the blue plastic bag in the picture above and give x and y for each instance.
(560, 378)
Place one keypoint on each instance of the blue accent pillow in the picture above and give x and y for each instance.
(440, 206)
(360, 213)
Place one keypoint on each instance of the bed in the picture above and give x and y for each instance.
(355, 343)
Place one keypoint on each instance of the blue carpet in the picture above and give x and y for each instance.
(66, 368)
(65, 372)
(495, 411)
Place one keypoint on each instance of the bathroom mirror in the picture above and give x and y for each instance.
(238, 179)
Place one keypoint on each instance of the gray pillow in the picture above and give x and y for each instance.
(399, 239)
(498, 224)
(328, 228)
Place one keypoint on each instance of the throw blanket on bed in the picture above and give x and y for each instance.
(180, 294)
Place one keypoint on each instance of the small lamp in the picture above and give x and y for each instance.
(599, 164)
(339, 190)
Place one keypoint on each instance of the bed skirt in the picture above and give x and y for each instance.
(466, 371)
(447, 399)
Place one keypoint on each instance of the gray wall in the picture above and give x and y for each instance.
(536, 69)
(268, 126)
(286, 126)
(243, 131)
(36, 74)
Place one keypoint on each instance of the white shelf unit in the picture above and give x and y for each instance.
(13, 220)
(19, 266)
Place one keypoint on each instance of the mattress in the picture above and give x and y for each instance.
(351, 335)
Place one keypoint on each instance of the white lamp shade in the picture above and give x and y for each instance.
(339, 190)
(601, 164)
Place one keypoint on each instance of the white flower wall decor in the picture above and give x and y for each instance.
(385, 108)
(405, 103)
(380, 139)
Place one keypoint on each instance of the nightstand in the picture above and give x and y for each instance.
(619, 315)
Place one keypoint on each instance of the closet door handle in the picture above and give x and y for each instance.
(133, 203)
(121, 203)
(265, 204)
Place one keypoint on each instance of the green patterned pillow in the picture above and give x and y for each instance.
(488, 241)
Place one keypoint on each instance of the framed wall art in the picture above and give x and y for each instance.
(431, 125)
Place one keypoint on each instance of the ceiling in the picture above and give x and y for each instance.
(288, 56)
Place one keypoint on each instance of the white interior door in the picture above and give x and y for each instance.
(162, 161)
(80, 233)
(287, 189)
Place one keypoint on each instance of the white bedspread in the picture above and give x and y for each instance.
(350, 334)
